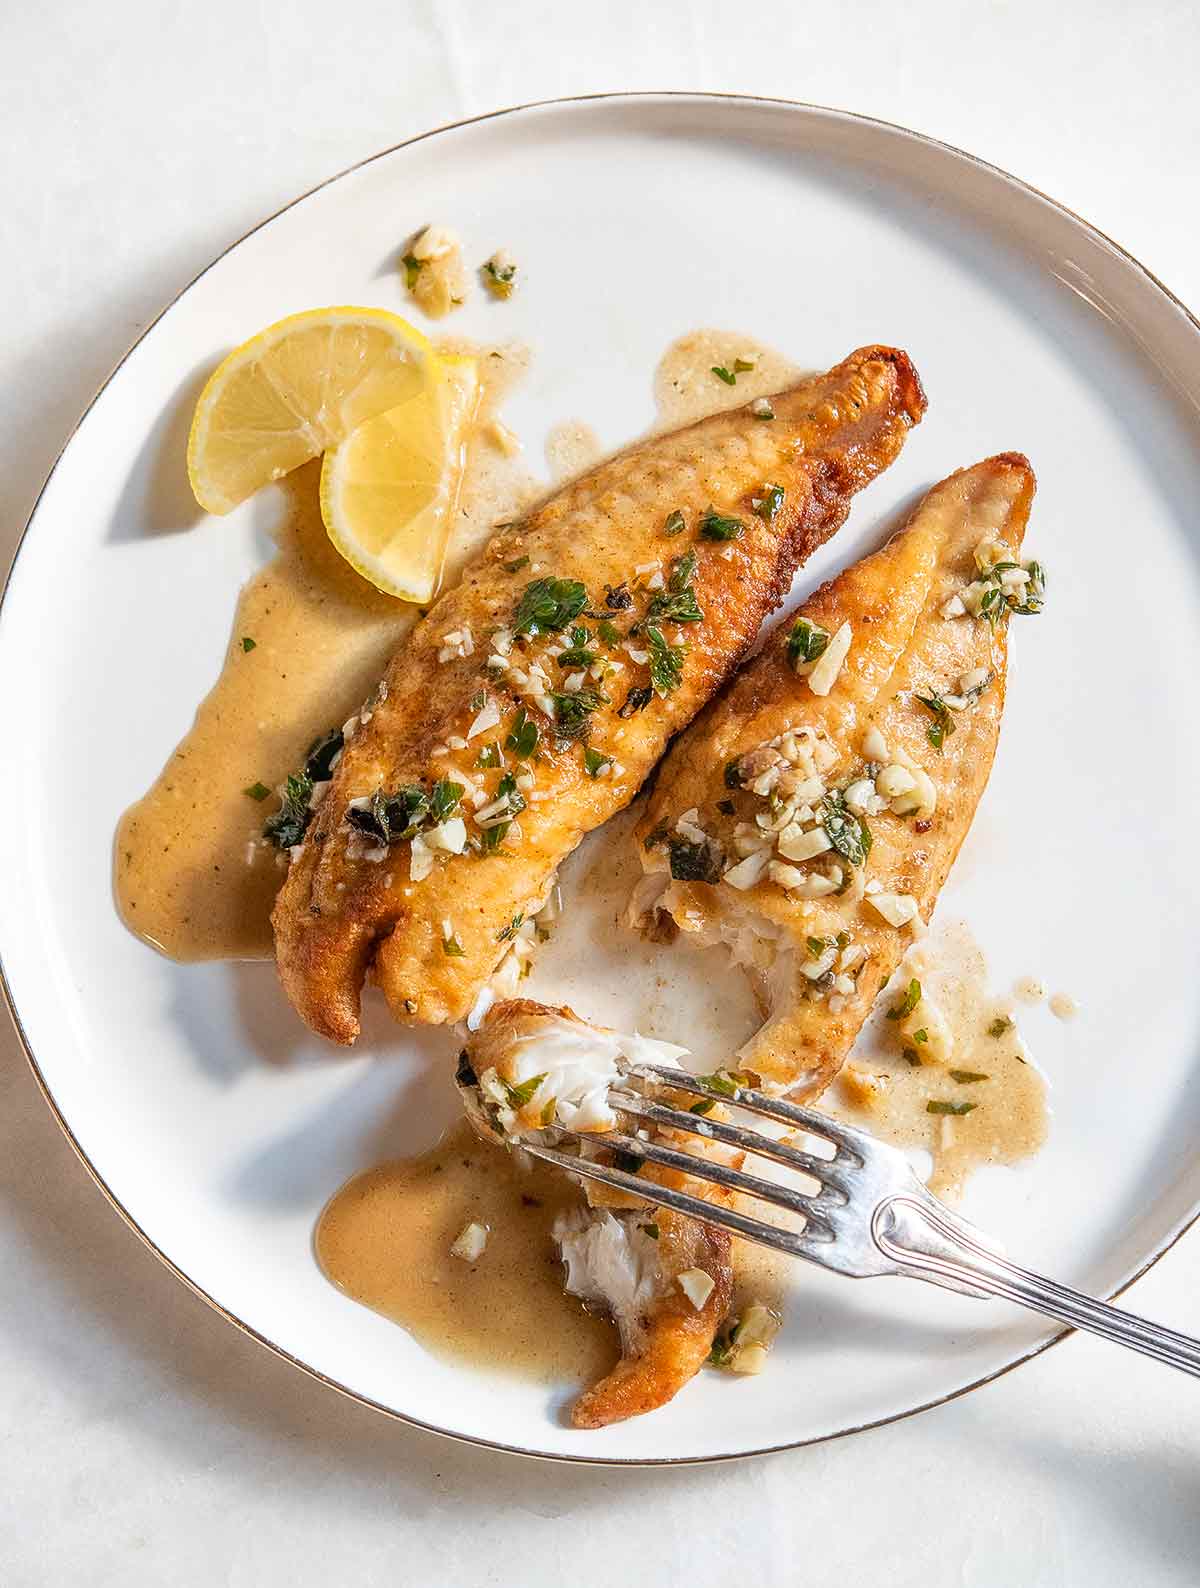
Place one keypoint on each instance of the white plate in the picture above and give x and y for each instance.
(218, 1127)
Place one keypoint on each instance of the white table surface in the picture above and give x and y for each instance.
(146, 1441)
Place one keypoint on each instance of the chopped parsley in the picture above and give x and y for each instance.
(968, 1077)
(921, 1036)
(548, 605)
(769, 503)
(943, 724)
(636, 700)
(806, 641)
(478, 700)
(677, 603)
(691, 862)
(998, 602)
(515, 565)
(594, 762)
(394, 818)
(522, 736)
(726, 1082)
(724, 374)
(507, 933)
(714, 527)
(412, 269)
(499, 276)
(675, 524)
(704, 1106)
(666, 662)
(848, 833)
(912, 997)
(548, 1112)
(577, 653)
(573, 712)
(492, 837)
(452, 948)
(290, 822)
(247, 643)
(288, 825)
(608, 632)
(519, 1095)
(1000, 1025)
(651, 1230)
(938, 1105)
(257, 791)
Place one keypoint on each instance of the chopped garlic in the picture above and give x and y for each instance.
(487, 717)
(954, 608)
(874, 745)
(761, 408)
(787, 877)
(895, 780)
(897, 909)
(420, 859)
(697, 1286)
(435, 242)
(829, 664)
(470, 1243)
(450, 836)
(795, 844)
(748, 872)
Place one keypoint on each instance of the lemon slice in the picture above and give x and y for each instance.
(389, 491)
(297, 389)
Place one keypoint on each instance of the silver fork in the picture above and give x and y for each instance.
(870, 1215)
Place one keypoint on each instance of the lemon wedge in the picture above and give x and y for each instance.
(297, 389)
(390, 489)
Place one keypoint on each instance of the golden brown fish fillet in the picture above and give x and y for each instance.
(773, 793)
(530, 1067)
(480, 679)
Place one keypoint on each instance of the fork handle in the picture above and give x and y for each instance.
(926, 1242)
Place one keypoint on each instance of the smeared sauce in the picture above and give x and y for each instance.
(572, 448)
(1009, 1118)
(385, 1241)
(189, 876)
(685, 388)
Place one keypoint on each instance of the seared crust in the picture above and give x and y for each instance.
(339, 918)
(902, 645)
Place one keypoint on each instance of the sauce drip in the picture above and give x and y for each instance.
(385, 1240)
(189, 876)
(1009, 1119)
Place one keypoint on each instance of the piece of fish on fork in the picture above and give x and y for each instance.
(866, 1213)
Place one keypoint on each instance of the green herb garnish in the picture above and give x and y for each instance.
(247, 643)
(675, 523)
(522, 737)
(507, 933)
(726, 1082)
(969, 1077)
(848, 833)
(943, 724)
(452, 948)
(548, 605)
(490, 756)
(666, 662)
(290, 822)
(651, 1230)
(499, 279)
(492, 837)
(1000, 1025)
(921, 1036)
(594, 761)
(573, 712)
(668, 607)
(908, 1003)
(704, 1106)
(412, 269)
(257, 791)
(769, 503)
(938, 1105)
(515, 565)
(636, 700)
(724, 374)
(608, 632)
(444, 800)
(518, 1096)
(805, 642)
(691, 862)
(714, 527)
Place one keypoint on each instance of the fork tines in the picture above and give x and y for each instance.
(812, 1206)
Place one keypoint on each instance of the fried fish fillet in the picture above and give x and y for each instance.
(665, 1280)
(810, 816)
(531, 703)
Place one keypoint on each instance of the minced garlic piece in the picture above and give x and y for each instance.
(829, 664)
(697, 1286)
(434, 271)
(470, 1242)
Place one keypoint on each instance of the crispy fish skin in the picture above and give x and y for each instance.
(902, 646)
(665, 1339)
(338, 918)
